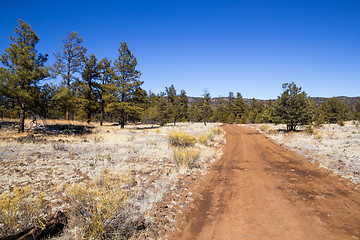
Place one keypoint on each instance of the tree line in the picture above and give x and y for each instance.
(93, 89)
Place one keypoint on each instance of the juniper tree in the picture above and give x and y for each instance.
(23, 70)
(126, 83)
(293, 107)
(68, 63)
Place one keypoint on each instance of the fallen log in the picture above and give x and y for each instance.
(53, 226)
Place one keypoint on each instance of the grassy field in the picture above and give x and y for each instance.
(112, 182)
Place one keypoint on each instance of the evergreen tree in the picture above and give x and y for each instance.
(205, 107)
(23, 70)
(293, 107)
(106, 86)
(357, 110)
(126, 83)
(194, 112)
(184, 103)
(68, 63)
(173, 103)
(335, 110)
(89, 86)
(239, 107)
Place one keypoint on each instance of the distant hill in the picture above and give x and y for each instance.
(351, 101)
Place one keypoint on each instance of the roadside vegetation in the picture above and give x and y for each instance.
(331, 146)
(112, 183)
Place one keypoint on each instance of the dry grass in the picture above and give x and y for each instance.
(62, 164)
(20, 210)
(186, 158)
(181, 139)
(99, 208)
(332, 146)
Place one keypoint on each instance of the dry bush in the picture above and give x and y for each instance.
(181, 139)
(318, 137)
(217, 131)
(202, 139)
(265, 128)
(100, 208)
(185, 158)
(205, 137)
(20, 210)
(309, 130)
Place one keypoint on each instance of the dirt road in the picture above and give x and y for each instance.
(259, 190)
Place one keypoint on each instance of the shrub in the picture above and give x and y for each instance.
(205, 137)
(217, 131)
(20, 210)
(341, 123)
(265, 128)
(202, 139)
(99, 208)
(181, 139)
(309, 130)
(318, 137)
(186, 157)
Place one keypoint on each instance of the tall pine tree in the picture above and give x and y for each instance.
(68, 63)
(23, 70)
(126, 82)
(89, 87)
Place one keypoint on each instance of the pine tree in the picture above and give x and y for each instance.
(89, 86)
(239, 107)
(357, 110)
(206, 107)
(174, 109)
(106, 87)
(184, 103)
(126, 83)
(68, 63)
(335, 110)
(23, 70)
(293, 107)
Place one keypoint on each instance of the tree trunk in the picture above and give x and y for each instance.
(67, 115)
(101, 116)
(122, 123)
(22, 117)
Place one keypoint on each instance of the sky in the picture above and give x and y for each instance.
(251, 47)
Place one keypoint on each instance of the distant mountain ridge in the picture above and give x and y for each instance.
(351, 101)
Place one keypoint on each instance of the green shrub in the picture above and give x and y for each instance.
(20, 210)
(185, 158)
(181, 139)
(341, 123)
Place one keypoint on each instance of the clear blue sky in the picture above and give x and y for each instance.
(251, 47)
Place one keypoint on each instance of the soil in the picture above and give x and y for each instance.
(260, 190)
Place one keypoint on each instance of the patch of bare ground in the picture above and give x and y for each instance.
(260, 190)
(50, 161)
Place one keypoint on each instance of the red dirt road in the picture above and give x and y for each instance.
(259, 190)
